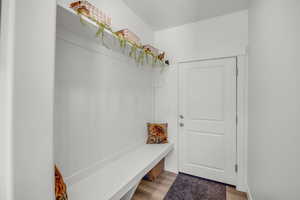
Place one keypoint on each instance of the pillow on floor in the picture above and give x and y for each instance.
(157, 133)
(60, 186)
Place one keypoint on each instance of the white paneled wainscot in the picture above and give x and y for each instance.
(103, 102)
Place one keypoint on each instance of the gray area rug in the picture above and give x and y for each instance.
(188, 187)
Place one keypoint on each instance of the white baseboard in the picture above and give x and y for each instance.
(242, 188)
(175, 171)
(249, 194)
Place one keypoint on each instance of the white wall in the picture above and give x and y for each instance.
(274, 97)
(102, 100)
(27, 73)
(221, 36)
(218, 36)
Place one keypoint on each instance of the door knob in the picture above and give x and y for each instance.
(181, 124)
(181, 117)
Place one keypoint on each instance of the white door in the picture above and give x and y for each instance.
(207, 119)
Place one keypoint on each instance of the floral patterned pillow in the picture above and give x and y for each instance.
(157, 133)
(60, 186)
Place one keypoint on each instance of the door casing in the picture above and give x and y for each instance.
(242, 114)
(215, 124)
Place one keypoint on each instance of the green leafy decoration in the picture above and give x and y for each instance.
(100, 33)
(122, 42)
(142, 58)
(162, 65)
(133, 51)
(121, 39)
(82, 20)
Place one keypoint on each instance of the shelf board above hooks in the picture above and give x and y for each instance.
(85, 27)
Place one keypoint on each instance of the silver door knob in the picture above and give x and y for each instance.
(181, 117)
(181, 124)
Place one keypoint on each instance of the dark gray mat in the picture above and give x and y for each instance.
(188, 187)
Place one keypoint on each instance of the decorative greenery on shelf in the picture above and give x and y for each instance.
(138, 53)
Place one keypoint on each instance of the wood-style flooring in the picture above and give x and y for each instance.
(158, 189)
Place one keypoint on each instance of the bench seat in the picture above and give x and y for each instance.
(117, 178)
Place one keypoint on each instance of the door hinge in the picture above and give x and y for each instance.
(237, 71)
(236, 168)
(236, 119)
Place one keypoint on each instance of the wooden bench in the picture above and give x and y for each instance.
(120, 178)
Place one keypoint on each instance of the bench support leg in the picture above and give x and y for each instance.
(130, 193)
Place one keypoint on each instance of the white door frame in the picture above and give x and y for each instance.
(6, 59)
(242, 114)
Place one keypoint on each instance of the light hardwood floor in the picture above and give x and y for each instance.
(158, 189)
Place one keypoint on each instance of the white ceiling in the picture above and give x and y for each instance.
(160, 14)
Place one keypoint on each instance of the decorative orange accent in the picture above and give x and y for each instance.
(157, 133)
(75, 4)
(92, 12)
(161, 56)
(83, 10)
(60, 186)
(130, 36)
(151, 49)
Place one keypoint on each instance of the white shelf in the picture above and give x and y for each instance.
(115, 179)
(69, 20)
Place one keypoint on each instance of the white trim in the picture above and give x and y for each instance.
(75, 40)
(130, 193)
(179, 89)
(242, 126)
(175, 171)
(234, 53)
(107, 184)
(249, 194)
(242, 106)
(86, 172)
(180, 61)
(84, 43)
(6, 103)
